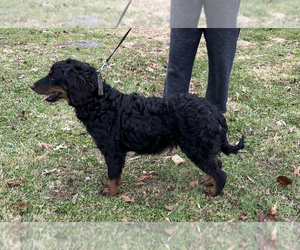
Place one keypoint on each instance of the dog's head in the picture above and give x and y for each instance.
(72, 80)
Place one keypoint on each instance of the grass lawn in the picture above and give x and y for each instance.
(141, 13)
(263, 105)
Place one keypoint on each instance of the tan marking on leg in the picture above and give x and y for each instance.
(113, 187)
(213, 190)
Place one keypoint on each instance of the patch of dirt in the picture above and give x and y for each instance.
(279, 40)
(62, 194)
(244, 44)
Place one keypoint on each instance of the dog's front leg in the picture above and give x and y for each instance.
(115, 162)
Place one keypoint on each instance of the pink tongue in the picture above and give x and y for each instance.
(46, 97)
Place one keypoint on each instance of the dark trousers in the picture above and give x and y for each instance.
(221, 47)
(219, 13)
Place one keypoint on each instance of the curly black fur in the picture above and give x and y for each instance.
(119, 123)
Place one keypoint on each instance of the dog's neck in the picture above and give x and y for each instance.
(96, 105)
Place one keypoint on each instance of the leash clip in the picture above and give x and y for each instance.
(103, 65)
(100, 81)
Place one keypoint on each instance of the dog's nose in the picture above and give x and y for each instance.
(32, 86)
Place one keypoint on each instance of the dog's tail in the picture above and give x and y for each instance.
(227, 149)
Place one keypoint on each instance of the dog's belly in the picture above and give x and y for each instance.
(148, 143)
(148, 134)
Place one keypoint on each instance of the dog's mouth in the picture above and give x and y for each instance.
(53, 97)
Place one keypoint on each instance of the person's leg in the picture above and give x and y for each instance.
(185, 14)
(221, 48)
(221, 13)
(183, 48)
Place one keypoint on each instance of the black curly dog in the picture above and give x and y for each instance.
(119, 123)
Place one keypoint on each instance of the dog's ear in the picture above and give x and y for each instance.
(81, 85)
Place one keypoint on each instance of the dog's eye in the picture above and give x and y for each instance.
(50, 73)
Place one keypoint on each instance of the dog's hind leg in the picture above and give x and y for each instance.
(211, 165)
(115, 162)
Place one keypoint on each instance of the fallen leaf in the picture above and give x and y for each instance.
(244, 90)
(49, 171)
(20, 205)
(169, 231)
(192, 206)
(13, 184)
(288, 88)
(46, 145)
(268, 191)
(243, 216)
(274, 128)
(74, 199)
(281, 123)
(21, 76)
(260, 196)
(297, 170)
(291, 129)
(177, 159)
(60, 147)
(243, 157)
(193, 184)
(250, 179)
(133, 158)
(148, 172)
(283, 181)
(262, 217)
(145, 177)
(66, 129)
(273, 209)
(271, 217)
(236, 203)
(7, 51)
(170, 208)
(232, 220)
(277, 138)
(127, 199)
(237, 110)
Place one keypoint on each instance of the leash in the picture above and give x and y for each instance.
(105, 63)
(123, 14)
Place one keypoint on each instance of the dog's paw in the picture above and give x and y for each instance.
(105, 192)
